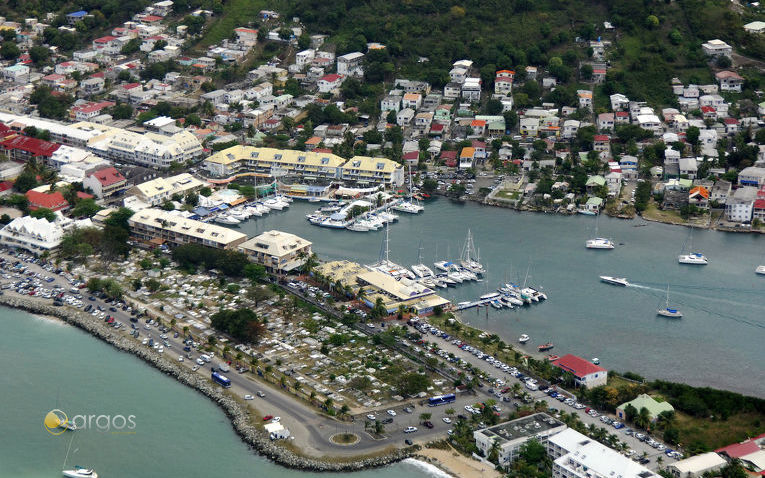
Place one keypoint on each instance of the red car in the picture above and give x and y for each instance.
(267, 418)
(428, 424)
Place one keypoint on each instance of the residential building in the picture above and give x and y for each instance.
(452, 90)
(755, 27)
(699, 197)
(471, 89)
(654, 407)
(758, 208)
(47, 200)
(279, 252)
(606, 121)
(594, 204)
(720, 191)
(739, 207)
(404, 117)
(31, 234)
(391, 103)
(717, 48)
(591, 459)
(366, 171)
(586, 373)
(351, 64)
(697, 466)
(594, 183)
(752, 176)
(503, 82)
(411, 100)
(512, 435)
(18, 73)
(88, 111)
(92, 86)
(105, 182)
(730, 81)
(467, 158)
(75, 17)
(688, 167)
(619, 102)
(585, 98)
(158, 227)
(614, 183)
(330, 83)
(27, 149)
(570, 127)
(159, 190)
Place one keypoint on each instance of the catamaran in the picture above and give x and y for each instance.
(668, 311)
(469, 256)
(421, 270)
(409, 206)
(599, 242)
(693, 258)
(386, 266)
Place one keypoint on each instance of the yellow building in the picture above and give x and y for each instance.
(309, 165)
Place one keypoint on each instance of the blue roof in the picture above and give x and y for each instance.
(80, 13)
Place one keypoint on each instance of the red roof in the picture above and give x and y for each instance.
(5, 185)
(53, 77)
(577, 365)
(436, 127)
(707, 109)
(737, 450)
(448, 154)
(411, 155)
(599, 72)
(54, 200)
(331, 78)
(478, 123)
(93, 106)
(601, 137)
(151, 18)
(700, 190)
(108, 176)
(105, 39)
(621, 114)
(730, 121)
(478, 144)
(36, 147)
(759, 204)
(83, 195)
(130, 86)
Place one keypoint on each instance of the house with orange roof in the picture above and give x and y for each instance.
(467, 157)
(312, 142)
(411, 100)
(478, 127)
(699, 197)
(503, 82)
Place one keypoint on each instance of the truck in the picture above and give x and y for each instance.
(223, 367)
(221, 380)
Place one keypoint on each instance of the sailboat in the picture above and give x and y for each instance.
(760, 270)
(668, 311)
(693, 258)
(409, 205)
(421, 270)
(599, 242)
(385, 265)
(469, 257)
(77, 471)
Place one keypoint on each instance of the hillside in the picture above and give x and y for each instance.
(655, 40)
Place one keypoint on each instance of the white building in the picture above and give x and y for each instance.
(351, 64)
(471, 89)
(32, 234)
(586, 458)
(717, 48)
(304, 58)
(277, 251)
(159, 190)
(752, 176)
(739, 206)
(510, 436)
(329, 83)
(173, 228)
(697, 466)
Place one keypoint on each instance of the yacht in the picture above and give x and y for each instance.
(334, 223)
(387, 217)
(80, 472)
(422, 271)
(693, 258)
(253, 211)
(408, 207)
(357, 226)
(226, 219)
(599, 243)
(615, 280)
(274, 203)
(524, 338)
(440, 283)
(596, 360)
(239, 215)
(447, 280)
(668, 311)
(490, 296)
(262, 209)
(443, 265)
(469, 257)
(760, 270)
(545, 347)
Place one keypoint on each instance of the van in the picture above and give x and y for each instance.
(204, 357)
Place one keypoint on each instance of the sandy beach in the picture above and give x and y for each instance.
(456, 464)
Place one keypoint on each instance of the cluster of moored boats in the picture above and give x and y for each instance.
(259, 208)
(336, 215)
(508, 296)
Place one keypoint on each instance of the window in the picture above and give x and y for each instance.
(301, 159)
(277, 157)
(380, 165)
(324, 160)
(254, 154)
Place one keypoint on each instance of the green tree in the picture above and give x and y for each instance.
(39, 54)
(9, 50)
(86, 208)
(44, 213)
(122, 111)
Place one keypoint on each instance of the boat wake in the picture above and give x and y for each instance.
(427, 468)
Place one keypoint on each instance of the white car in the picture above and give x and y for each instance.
(447, 420)
(249, 397)
(371, 417)
(410, 429)
(276, 419)
(391, 413)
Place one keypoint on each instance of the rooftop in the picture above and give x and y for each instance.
(577, 365)
(521, 428)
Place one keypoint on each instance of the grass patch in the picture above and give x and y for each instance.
(506, 194)
(344, 438)
(236, 13)
(718, 433)
(653, 213)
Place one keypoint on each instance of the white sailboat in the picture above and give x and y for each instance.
(692, 257)
(760, 270)
(599, 242)
(668, 311)
(420, 269)
(469, 257)
(409, 206)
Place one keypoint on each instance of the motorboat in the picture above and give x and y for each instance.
(357, 226)
(545, 347)
(596, 361)
(80, 472)
(537, 294)
(226, 219)
(446, 280)
(506, 302)
(760, 270)
(490, 296)
(387, 217)
(253, 211)
(408, 207)
(429, 283)
(693, 258)
(261, 208)
(599, 243)
(440, 282)
(531, 293)
(524, 338)
(274, 203)
(621, 281)
(496, 304)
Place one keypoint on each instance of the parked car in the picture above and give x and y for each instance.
(410, 429)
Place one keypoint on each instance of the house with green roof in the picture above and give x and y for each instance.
(594, 183)
(594, 204)
(644, 400)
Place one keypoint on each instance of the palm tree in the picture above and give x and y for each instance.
(402, 310)
(361, 294)
(643, 419)
(449, 411)
(172, 324)
(424, 417)
(185, 330)
(345, 409)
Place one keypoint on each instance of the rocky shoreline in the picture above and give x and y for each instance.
(240, 419)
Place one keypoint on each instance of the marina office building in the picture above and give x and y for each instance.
(157, 226)
(249, 160)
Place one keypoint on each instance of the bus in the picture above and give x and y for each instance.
(441, 400)
(221, 380)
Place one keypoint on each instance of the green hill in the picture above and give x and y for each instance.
(653, 40)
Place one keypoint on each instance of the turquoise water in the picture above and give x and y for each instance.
(178, 433)
(717, 343)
